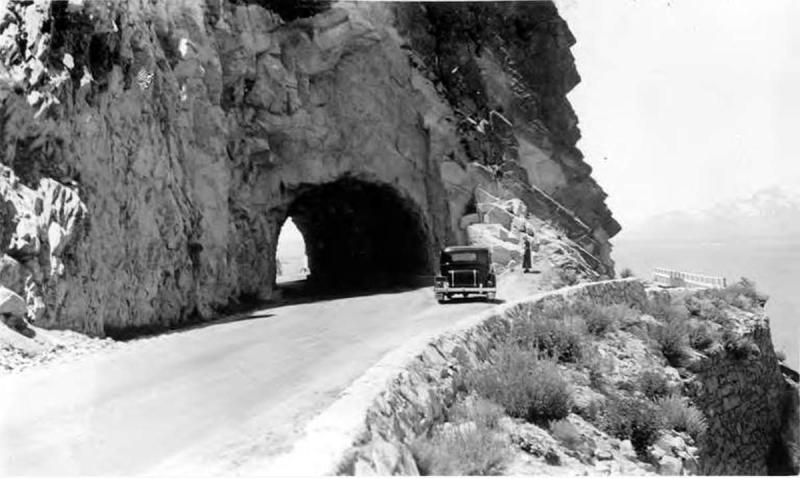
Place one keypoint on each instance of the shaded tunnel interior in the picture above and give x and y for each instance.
(360, 235)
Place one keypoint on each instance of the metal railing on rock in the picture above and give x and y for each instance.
(672, 278)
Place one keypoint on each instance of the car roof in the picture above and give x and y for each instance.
(465, 249)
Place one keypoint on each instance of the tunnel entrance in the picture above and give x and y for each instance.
(360, 235)
(291, 263)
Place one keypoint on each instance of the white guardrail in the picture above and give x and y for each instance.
(671, 278)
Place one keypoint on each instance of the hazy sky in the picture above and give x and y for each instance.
(686, 102)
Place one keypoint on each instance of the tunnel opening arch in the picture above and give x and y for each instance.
(359, 233)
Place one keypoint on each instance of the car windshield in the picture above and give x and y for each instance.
(465, 256)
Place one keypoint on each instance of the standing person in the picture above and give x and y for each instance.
(526, 257)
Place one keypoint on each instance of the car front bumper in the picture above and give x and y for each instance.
(465, 290)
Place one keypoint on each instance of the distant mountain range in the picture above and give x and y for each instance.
(770, 214)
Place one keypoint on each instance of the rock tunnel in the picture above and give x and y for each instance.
(360, 235)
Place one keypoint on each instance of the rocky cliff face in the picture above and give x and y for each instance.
(153, 149)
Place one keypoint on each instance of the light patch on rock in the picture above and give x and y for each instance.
(68, 61)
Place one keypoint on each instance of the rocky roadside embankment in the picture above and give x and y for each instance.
(657, 383)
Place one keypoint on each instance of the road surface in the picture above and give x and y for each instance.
(211, 399)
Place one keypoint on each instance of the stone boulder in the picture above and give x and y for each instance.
(496, 214)
(25, 242)
(13, 310)
(469, 219)
(11, 304)
(11, 274)
(503, 246)
(670, 466)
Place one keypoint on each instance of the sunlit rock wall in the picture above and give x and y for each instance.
(167, 140)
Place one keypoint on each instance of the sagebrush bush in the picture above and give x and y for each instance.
(568, 276)
(557, 338)
(479, 410)
(666, 312)
(525, 385)
(623, 315)
(708, 308)
(653, 384)
(600, 366)
(600, 320)
(702, 335)
(464, 450)
(592, 411)
(672, 339)
(672, 335)
(634, 419)
(678, 414)
(741, 348)
(742, 294)
(626, 272)
(470, 444)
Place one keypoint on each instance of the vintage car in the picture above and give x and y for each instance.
(465, 270)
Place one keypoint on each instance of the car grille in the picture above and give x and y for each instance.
(464, 278)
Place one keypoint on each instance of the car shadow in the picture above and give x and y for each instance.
(469, 300)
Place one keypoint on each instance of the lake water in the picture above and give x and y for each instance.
(774, 266)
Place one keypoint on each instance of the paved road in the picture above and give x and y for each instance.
(211, 399)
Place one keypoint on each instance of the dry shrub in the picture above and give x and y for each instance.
(470, 444)
(672, 336)
(561, 338)
(623, 315)
(592, 411)
(740, 348)
(599, 366)
(464, 449)
(568, 276)
(653, 384)
(634, 419)
(600, 320)
(626, 272)
(678, 414)
(666, 312)
(702, 335)
(708, 308)
(742, 294)
(525, 385)
(673, 341)
(479, 410)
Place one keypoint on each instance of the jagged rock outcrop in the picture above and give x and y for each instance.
(504, 225)
(506, 69)
(158, 147)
